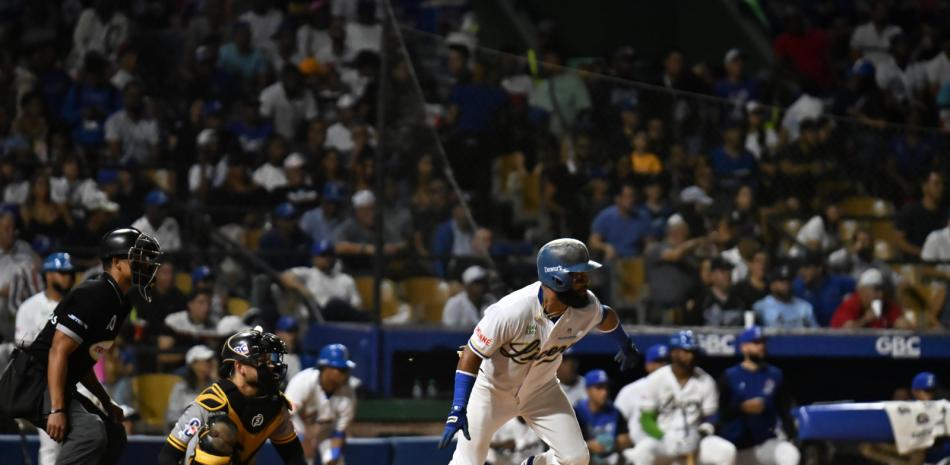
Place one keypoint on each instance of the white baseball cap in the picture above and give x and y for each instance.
(871, 277)
(294, 160)
(198, 352)
(363, 198)
(674, 220)
(473, 273)
(345, 101)
(732, 54)
(207, 136)
(695, 194)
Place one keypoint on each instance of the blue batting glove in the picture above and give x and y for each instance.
(628, 357)
(455, 421)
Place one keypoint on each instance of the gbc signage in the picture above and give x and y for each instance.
(898, 346)
(718, 344)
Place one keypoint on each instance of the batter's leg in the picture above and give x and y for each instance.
(487, 411)
(550, 415)
(714, 450)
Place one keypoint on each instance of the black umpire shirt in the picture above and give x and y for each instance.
(91, 314)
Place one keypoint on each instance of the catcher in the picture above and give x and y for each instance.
(228, 423)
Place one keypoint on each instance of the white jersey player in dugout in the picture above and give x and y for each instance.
(508, 367)
(324, 405)
(676, 404)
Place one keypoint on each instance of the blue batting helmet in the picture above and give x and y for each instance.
(561, 257)
(58, 262)
(336, 356)
(684, 340)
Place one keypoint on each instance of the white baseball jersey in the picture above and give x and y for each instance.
(312, 406)
(680, 409)
(32, 316)
(628, 402)
(520, 346)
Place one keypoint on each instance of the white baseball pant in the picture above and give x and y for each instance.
(49, 449)
(713, 450)
(547, 412)
(772, 452)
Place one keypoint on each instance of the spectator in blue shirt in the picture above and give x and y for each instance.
(603, 426)
(90, 101)
(822, 290)
(752, 401)
(734, 86)
(286, 243)
(250, 130)
(473, 105)
(453, 238)
(240, 58)
(732, 164)
(780, 309)
(618, 231)
(319, 223)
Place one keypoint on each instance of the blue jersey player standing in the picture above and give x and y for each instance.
(752, 403)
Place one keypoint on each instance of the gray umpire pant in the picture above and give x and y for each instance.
(91, 437)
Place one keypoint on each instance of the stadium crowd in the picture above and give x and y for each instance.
(258, 120)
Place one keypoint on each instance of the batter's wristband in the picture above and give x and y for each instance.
(335, 453)
(464, 383)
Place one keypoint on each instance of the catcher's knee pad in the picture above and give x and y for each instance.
(217, 442)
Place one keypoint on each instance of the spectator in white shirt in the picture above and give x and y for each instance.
(99, 29)
(337, 51)
(270, 175)
(464, 309)
(339, 135)
(820, 233)
(365, 33)
(264, 21)
(288, 103)
(128, 60)
(157, 223)
(872, 40)
(938, 68)
(17, 277)
(201, 174)
(333, 290)
(937, 248)
(132, 133)
(58, 275)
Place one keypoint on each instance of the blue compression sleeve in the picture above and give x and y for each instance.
(464, 383)
(336, 452)
(617, 334)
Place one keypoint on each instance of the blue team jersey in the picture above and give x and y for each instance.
(604, 426)
(745, 430)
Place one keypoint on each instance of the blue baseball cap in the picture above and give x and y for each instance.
(657, 352)
(321, 248)
(684, 340)
(58, 262)
(336, 356)
(334, 192)
(924, 381)
(287, 324)
(200, 273)
(41, 244)
(595, 377)
(750, 335)
(156, 197)
(106, 176)
(285, 210)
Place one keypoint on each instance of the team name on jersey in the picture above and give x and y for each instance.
(522, 353)
(687, 406)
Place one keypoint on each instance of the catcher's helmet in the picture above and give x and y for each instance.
(257, 348)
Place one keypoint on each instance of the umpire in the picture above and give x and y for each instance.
(39, 384)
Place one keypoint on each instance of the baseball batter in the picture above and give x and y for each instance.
(508, 367)
(324, 404)
(676, 408)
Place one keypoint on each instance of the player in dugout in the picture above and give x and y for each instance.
(752, 400)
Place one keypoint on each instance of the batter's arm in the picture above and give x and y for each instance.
(649, 424)
(465, 374)
(629, 355)
(469, 362)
